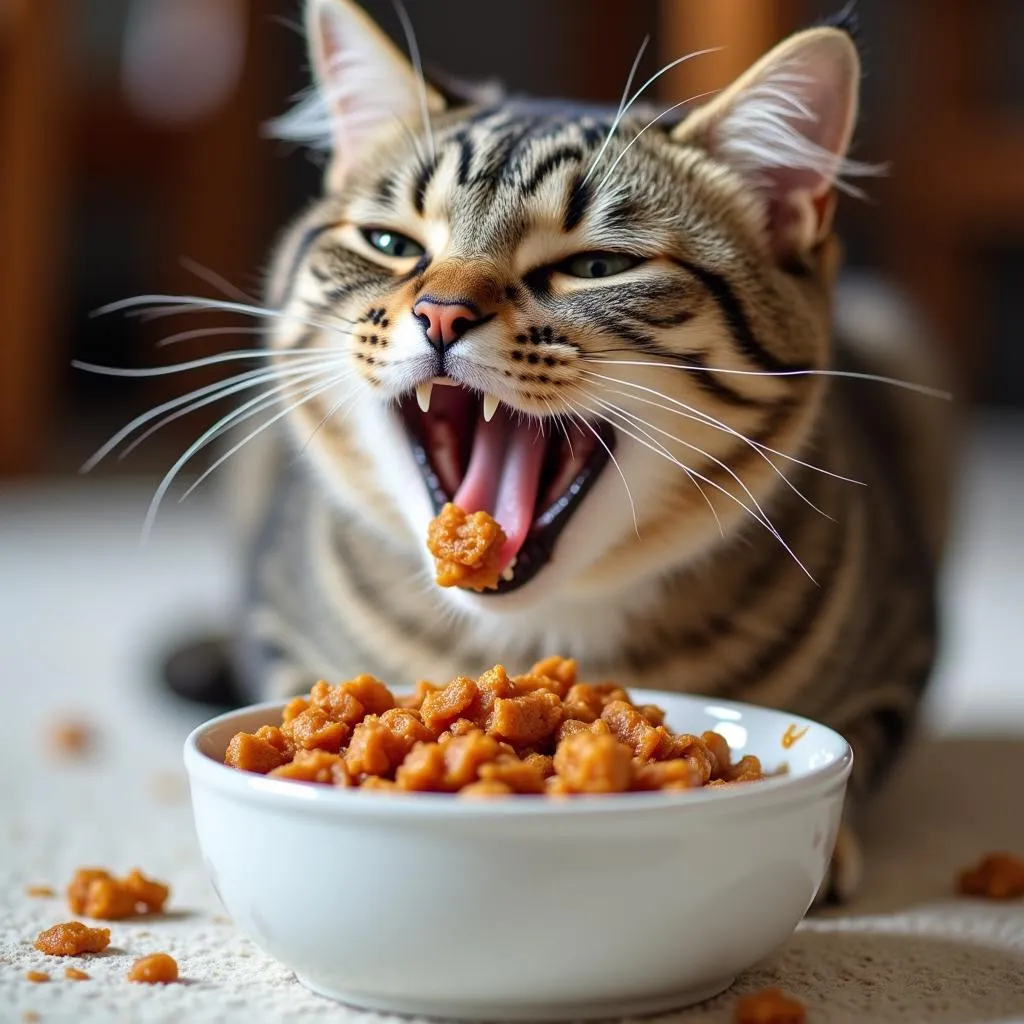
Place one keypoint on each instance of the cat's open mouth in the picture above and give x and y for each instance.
(530, 476)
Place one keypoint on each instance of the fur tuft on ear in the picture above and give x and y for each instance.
(785, 127)
(363, 84)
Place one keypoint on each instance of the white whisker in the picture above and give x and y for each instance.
(906, 385)
(308, 396)
(653, 121)
(757, 516)
(203, 441)
(294, 376)
(417, 63)
(198, 303)
(174, 403)
(711, 421)
(693, 413)
(659, 448)
(215, 280)
(193, 364)
(615, 462)
(625, 109)
(206, 332)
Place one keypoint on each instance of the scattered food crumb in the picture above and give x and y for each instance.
(998, 876)
(71, 738)
(74, 974)
(30, 1017)
(793, 735)
(94, 892)
(72, 939)
(155, 969)
(40, 891)
(769, 1006)
(37, 976)
(221, 919)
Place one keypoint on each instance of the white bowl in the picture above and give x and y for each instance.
(524, 908)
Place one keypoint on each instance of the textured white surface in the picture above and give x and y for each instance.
(83, 613)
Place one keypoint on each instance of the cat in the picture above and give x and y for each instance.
(618, 332)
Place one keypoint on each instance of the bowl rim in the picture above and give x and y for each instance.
(771, 792)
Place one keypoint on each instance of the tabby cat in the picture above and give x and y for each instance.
(616, 331)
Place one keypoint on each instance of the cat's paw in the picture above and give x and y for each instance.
(845, 873)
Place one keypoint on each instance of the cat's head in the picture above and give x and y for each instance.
(581, 320)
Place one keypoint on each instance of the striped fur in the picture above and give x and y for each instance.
(683, 588)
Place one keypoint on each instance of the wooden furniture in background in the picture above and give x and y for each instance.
(958, 173)
(203, 182)
(33, 176)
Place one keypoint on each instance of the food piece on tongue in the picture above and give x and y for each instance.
(467, 548)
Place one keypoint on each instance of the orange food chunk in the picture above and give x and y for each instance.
(527, 719)
(998, 876)
(370, 749)
(485, 789)
(588, 763)
(629, 726)
(40, 891)
(423, 769)
(314, 766)
(72, 939)
(314, 729)
(37, 976)
(562, 670)
(440, 708)
(250, 753)
(294, 708)
(155, 969)
(518, 776)
(94, 892)
(72, 738)
(678, 773)
(541, 733)
(74, 974)
(463, 756)
(769, 1006)
(466, 548)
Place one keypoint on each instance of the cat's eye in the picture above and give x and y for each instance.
(595, 265)
(391, 243)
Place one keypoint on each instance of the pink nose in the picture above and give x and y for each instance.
(444, 322)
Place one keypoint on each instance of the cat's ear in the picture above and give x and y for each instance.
(365, 83)
(785, 126)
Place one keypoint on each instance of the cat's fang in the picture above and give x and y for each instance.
(423, 392)
(490, 406)
(509, 571)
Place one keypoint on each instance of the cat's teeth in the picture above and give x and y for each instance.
(490, 406)
(423, 394)
(509, 571)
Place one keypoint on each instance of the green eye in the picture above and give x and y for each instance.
(391, 243)
(599, 264)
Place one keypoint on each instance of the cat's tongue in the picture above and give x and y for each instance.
(503, 477)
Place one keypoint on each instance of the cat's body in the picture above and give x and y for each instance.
(718, 549)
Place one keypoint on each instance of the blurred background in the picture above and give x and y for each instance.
(131, 140)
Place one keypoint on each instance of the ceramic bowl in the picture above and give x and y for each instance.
(525, 908)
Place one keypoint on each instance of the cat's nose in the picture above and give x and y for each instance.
(445, 322)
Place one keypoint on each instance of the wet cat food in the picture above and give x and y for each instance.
(499, 735)
(998, 876)
(96, 893)
(155, 969)
(769, 1006)
(466, 548)
(72, 939)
